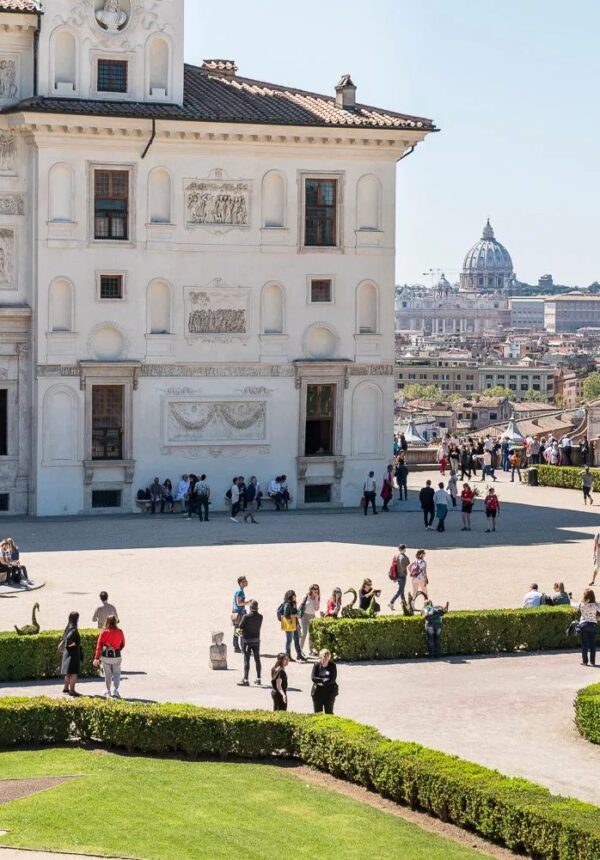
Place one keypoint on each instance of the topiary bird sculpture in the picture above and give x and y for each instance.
(30, 629)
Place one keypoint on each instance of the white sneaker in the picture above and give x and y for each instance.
(116, 695)
(233, 520)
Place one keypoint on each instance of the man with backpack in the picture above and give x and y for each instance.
(398, 573)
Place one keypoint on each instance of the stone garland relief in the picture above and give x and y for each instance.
(8, 153)
(110, 20)
(200, 423)
(216, 313)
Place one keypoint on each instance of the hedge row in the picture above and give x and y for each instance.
(564, 476)
(523, 816)
(491, 631)
(28, 658)
(587, 713)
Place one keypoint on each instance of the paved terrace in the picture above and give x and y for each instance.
(172, 581)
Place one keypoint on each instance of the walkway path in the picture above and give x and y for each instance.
(172, 581)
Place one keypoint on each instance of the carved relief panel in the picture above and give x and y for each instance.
(217, 202)
(196, 422)
(9, 77)
(217, 312)
(8, 153)
(7, 258)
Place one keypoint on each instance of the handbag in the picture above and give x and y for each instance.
(61, 646)
(362, 502)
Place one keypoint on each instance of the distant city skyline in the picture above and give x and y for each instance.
(512, 87)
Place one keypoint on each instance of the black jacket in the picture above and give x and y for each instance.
(324, 678)
(250, 626)
(426, 498)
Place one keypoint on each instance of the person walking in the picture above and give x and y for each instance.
(492, 509)
(251, 500)
(465, 463)
(452, 487)
(309, 609)
(467, 496)
(418, 574)
(72, 654)
(433, 628)
(587, 485)
(442, 505)
(238, 611)
(202, 498)
(324, 688)
(235, 501)
(250, 626)
(387, 489)
(488, 467)
(426, 498)
(279, 682)
(505, 454)
(108, 653)
(442, 457)
(369, 493)
(290, 615)
(588, 611)
(399, 568)
(515, 464)
(104, 611)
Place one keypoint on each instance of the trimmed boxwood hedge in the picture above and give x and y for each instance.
(523, 816)
(587, 713)
(564, 476)
(30, 658)
(490, 631)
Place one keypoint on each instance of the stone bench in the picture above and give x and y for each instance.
(145, 505)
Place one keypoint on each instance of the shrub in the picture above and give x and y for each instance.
(514, 812)
(493, 631)
(587, 713)
(31, 658)
(564, 476)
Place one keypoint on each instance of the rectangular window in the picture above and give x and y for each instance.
(112, 76)
(107, 422)
(320, 291)
(111, 286)
(106, 498)
(3, 422)
(317, 494)
(320, 212)
(4, 501)
(111, 204)
(493, 416)
(320, 412)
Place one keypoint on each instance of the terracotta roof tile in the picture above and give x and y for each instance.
(221, 96)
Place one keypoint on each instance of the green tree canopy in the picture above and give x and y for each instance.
(535, 397)
(499, 391)
(591, 387)
(423, 392)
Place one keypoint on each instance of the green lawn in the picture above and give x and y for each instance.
(158, 809)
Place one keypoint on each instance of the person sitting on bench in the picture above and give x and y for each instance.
(156, 496)
(274, 492)
(11, 561)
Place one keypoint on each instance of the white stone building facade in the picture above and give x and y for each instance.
(196, 269)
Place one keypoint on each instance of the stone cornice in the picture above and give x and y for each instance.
(189, 371)
(387, 142)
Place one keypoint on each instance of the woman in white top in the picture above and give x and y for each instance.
(418, 574)
(589, 611)
(309, 607)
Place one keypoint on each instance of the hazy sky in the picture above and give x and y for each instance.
(513, 85)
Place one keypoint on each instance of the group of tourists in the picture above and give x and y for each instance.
(294, 620)
(12, 572)
(436, 504)
(109, 646)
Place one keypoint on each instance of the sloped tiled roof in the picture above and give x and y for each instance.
(20, 6)
(211, 97)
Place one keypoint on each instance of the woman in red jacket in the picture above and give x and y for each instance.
(108, 652)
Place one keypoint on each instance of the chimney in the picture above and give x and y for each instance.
(222, 68)
(345, 93)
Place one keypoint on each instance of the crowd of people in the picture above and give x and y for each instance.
(244, 498)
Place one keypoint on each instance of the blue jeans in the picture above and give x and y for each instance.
(434, 635)
(401, 583)
(295, 635)
(442, 513)
(589, 634)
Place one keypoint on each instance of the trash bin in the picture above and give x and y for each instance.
(532, 477)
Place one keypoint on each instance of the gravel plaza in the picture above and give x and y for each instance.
(172, 581)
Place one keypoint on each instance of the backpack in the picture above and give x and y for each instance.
(142, 495)
(393, 571)
(280, 611)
